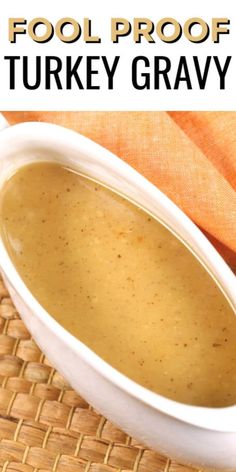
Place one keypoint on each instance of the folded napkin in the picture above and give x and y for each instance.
(190, 156)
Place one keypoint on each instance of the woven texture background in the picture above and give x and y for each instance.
(45, 426)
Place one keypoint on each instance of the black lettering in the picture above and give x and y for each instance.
(202, 77)
(110, 71)
(72, 72)
(12, 74)
(222, 72)
(50, 71)
(162, 72)
(182, 69)
(145, 75)
(91, 72)
(37, 82)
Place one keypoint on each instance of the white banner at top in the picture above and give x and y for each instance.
(124, 55)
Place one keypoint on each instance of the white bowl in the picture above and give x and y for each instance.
(205, 437)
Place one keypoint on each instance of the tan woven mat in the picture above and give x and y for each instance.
(45, 426)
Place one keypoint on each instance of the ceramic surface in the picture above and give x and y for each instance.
(205, 437)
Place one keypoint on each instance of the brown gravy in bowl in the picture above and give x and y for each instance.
(122, 283)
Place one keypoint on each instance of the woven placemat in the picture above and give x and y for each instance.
(45, 426)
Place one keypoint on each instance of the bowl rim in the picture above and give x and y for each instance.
(217, 419)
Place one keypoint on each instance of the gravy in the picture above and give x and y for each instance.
(122, 283)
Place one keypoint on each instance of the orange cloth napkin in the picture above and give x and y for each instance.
(190, 156)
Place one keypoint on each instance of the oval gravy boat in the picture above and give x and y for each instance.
(200, 436)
